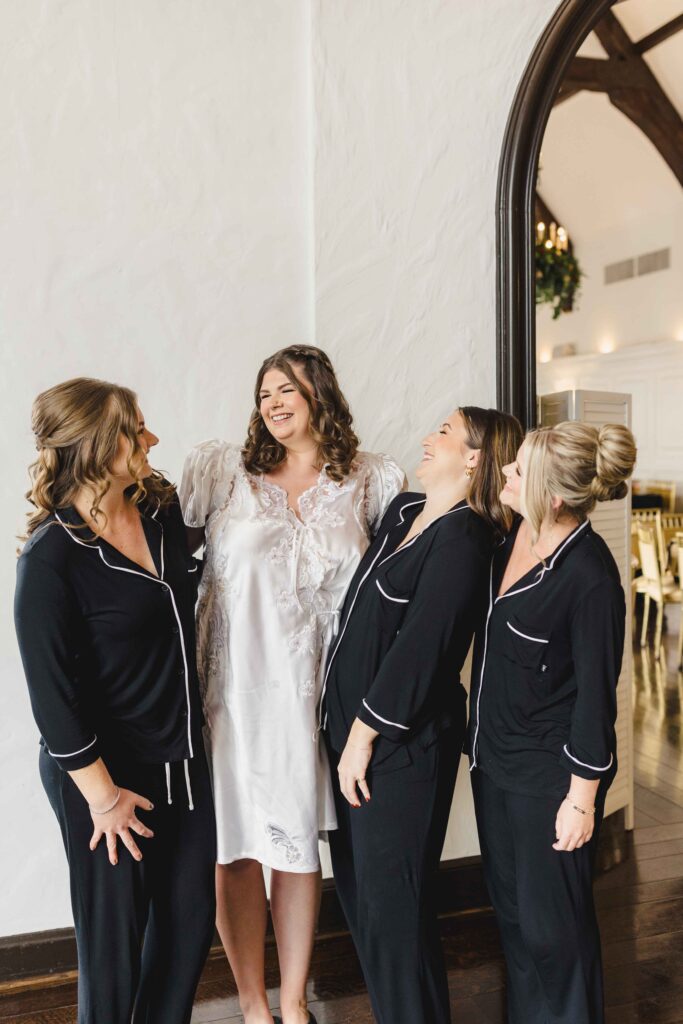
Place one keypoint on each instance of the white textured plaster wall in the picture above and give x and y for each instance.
(155, 230)
(156, 227)
(411, 102)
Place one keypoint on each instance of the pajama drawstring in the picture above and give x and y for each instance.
(188, 787)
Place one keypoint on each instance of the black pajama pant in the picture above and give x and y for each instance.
(143, 929)
(385, 857)
(543, 899)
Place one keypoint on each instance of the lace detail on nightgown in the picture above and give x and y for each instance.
(279, 837)
(268, 607)
(207, 480)
(384, 481)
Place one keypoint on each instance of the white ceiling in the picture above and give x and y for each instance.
(597, 169)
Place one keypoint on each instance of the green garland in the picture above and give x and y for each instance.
(558, 279)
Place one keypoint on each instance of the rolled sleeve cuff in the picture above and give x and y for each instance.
(395, 731)
(71, 761)
(581, 766)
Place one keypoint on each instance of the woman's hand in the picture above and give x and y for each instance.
(354, 762)
(119, 822)
(572, 828)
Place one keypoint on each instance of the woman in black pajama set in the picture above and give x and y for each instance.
(394, 709)
(543, 708)
(108, 650)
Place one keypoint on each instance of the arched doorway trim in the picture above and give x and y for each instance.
(515, 290)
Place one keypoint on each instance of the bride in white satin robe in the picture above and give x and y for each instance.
(270, 594)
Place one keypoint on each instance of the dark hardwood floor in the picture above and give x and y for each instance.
(640, 904)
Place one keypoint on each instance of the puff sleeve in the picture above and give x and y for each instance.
(207, 481)
(385, 479)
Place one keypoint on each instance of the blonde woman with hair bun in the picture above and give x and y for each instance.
(543, 707)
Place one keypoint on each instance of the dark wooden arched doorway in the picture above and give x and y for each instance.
(515, 292)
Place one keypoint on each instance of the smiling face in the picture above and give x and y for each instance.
(283, 408)
(447, 455)
(511, 495)
(146, 439)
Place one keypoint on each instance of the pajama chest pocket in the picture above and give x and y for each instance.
(390, 606)
(526, 646)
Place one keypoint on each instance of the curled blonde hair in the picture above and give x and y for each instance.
(578, 463)
(77, 426)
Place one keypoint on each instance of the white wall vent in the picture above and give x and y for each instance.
(620, 271)
(648, 263)
(652, 261)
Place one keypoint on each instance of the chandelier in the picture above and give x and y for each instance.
(554, 236)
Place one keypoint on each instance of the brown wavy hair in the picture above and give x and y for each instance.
(77, 426)
(498, 436)
(331, 422)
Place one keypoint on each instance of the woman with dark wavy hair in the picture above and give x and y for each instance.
(285, 521)
(104, 611)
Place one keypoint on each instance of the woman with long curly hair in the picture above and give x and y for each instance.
(285, 521)
(104, 612)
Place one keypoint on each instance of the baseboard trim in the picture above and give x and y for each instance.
(50, 956)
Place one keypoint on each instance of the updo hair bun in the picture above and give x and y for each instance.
(578, 464)
(614, 461)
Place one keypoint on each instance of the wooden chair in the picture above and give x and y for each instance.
(653, 517)
(672, 523)
(666, 489)
(653, 586)
(679, 544)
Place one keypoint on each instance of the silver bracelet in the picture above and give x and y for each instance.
(575, 807)
(111, 807)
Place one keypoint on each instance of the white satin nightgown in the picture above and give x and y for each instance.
(269, 600)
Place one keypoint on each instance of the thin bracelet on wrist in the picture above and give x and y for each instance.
(575, 807)
(105, 810)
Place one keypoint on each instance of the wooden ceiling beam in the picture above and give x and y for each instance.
(599, 75)
(649, 108)
(566, 92)
(659, 35)
(614, 38)
(632, 88)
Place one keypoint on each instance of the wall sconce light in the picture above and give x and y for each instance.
(564, 351)
(607, 345)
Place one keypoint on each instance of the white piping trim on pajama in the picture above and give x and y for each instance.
(502, 597)
(536, 639)
(162, 582)
(322, 716)
(398, 600)
(591, 767)
(386, 721)
(74, 752)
